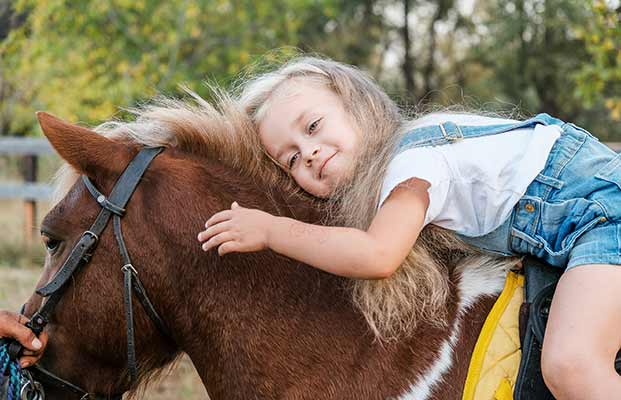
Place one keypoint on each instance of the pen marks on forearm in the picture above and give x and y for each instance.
(300, 229)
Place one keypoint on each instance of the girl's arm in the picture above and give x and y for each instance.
(350, 252)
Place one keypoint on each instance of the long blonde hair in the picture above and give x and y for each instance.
(419, 289)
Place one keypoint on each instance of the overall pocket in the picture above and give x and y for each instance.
(563, 222)
(611, 172)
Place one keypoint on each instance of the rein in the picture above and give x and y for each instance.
(111, 207)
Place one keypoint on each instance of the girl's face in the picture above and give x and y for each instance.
(308, 133)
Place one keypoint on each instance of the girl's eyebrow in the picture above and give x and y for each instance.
(275, 160)
(299, 119)
(279, 156)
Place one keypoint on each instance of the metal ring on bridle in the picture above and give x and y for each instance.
(31, 389)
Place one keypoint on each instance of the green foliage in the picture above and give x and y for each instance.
(83, 59)
(599, 80)
(531, 47)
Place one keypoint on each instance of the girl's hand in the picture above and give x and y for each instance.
(236, 230)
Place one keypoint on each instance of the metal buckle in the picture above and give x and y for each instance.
(129, 267)
(452, 138)
(92, 234)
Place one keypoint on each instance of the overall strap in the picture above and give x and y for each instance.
(449, 132)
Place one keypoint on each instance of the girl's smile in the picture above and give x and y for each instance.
(323, 166)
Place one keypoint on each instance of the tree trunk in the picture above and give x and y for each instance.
(408, 62)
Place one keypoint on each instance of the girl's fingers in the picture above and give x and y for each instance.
(213, 230)
(227, 247)
(218, 217)
(217, 240)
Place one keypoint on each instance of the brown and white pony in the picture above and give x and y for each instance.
(255, 325)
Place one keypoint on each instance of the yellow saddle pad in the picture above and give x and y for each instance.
(496, 357)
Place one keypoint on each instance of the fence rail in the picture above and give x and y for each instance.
(26, 191)
(29, 149)
(24, 146)
(30, 191)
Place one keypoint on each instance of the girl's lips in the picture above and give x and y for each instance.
(324, 164)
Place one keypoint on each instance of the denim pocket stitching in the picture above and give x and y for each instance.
(568, 242)
(527, 238)
(606, 173)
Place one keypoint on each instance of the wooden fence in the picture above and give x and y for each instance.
(30, 191)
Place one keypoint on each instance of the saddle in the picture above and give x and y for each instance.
(506, 361)
(540, 283)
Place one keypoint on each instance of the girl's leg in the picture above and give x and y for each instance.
(583, 334)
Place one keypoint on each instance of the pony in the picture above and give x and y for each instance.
(255, 325)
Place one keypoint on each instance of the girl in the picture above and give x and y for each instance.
(540, 186)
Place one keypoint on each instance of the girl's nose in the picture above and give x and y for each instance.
(312, 156)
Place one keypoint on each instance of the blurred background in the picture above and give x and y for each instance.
(85, 60)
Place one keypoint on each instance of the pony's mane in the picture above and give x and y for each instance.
(222, 132)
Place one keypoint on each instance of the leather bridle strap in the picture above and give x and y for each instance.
(131, 281)
(121, 193)
(114, 207)
(82, 252)
(46, 377)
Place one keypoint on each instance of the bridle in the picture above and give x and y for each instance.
(111, 207)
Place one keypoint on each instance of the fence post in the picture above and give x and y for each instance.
(29, 173)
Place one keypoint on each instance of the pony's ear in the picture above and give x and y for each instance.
(86, 151)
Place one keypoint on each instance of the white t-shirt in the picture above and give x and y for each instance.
(475, 182)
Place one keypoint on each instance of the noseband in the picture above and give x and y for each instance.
(111, 207)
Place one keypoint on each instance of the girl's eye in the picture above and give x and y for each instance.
(293, 160)
(312, 127)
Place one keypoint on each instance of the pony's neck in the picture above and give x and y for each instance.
(252, 315)
(268, 324)
(260, 325)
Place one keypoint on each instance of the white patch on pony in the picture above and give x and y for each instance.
(480, 276)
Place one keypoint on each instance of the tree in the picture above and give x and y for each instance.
(599, 80)
(531, 48)
(83, 60)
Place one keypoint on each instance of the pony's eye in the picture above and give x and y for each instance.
(51, 244)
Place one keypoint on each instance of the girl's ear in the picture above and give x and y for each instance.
(88, 152)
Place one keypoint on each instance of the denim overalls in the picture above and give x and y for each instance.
(570, 214)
